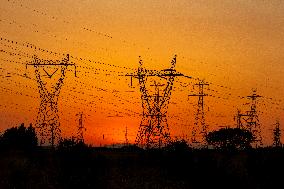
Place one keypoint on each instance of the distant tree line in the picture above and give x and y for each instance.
(22, 137)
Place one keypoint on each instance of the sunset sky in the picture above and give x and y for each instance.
(233, 45)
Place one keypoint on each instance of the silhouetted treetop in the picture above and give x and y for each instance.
(178, 146)
(230, 138)
(72, 145)
(19, 137)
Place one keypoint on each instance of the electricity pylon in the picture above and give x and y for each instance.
(47, 123)
(277, 135)
(199, 131)
(126, 137)
(154, 131)
(81, 128)
(252, 121)
(239, 117)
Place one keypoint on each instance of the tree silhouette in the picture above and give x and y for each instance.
(230, 138)
(178, 146)
(71, 145)
(20, 137)
(67, 143)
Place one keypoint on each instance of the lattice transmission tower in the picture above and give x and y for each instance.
(81, 127)
(199, 131)
(249, 120)
(47, 123)
(252, 121)
(240, 117)
(153, 130)
(277, 135)
(126, 137)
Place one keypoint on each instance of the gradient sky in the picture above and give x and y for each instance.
(233, 45)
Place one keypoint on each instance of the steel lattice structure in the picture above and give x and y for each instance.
(126, 137)
(81, 128)
(253, 124)
(239, 117)
(277, 135)
(251, 119)
(47, 123)
(199, 130)
(153, 130)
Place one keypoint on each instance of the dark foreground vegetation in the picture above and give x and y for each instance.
(117, 168)
(74, 165)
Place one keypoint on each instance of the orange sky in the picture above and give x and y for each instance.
(234, 44)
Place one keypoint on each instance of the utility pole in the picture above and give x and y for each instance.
(47, 124)
(199, 131)
(153, 130)
(81, 128)
(277, 135)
